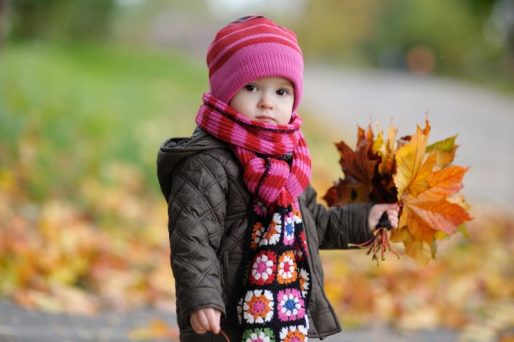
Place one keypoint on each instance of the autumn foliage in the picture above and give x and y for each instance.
(109, 253)
(420, 177)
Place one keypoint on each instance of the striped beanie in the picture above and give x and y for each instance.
(250, 48)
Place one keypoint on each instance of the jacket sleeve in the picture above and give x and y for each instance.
(338, 226)
(196, 212)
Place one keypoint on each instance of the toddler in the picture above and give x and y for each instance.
(245, 228)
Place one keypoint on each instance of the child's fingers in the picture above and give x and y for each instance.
(203, 321)
(393, 206)
(195, 324)
(378, 210)
(387, 206)
(214, 320)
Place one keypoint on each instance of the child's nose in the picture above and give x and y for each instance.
(265, 101)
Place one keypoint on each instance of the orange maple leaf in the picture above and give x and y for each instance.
(418, 176)
(423, 190)
(429, 210)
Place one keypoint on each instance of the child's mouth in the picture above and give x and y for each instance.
(266, 119)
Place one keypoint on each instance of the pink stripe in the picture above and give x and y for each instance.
(240, 135)
(282, 184)
(268, 194)
(228, 47)
(286, 62)
(294, 186)
(211, 121)
(226, 36)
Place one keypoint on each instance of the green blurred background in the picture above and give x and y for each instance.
(89, 90)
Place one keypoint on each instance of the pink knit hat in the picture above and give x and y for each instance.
(250, 48)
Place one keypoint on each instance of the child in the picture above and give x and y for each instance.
(244, 224)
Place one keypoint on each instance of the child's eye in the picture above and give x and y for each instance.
(250, 87)
(283, 92)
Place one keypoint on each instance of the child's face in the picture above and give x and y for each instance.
(268, 99)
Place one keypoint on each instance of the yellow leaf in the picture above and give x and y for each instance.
(420, 251)
(417, 227)
(440, 235)
(387, 164)
(401, 234)
(420, 182)
(409, 159)
(391, 137)
(378, 145)
(445, 151)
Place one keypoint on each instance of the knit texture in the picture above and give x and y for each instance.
(250, 48)
(260, 147)
(277, 279)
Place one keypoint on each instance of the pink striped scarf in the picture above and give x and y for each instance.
(260, 148)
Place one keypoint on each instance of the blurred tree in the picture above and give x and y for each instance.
(501, 22)
(481, 8)
(337, 28)
(60, 19)
(448, 31)
(473, 39)
(450, 38)
(3, 6)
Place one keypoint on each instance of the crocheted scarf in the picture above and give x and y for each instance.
(277, 166)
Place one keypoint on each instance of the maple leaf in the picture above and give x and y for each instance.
(445, 151)
(419, 250)
(419, 177)
(424, 192)
(358, 169)
(430, 208)
(411, 170)
(379, 145)
(384, 188)
(386, 150)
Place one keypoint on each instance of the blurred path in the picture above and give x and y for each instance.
(18, 325)
(483, 120)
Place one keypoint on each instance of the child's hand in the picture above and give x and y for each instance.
(378, 209)
(204, 320)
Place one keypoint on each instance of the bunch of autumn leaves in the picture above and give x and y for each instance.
(420, 178)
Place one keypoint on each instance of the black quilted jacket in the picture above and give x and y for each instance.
(208, 207)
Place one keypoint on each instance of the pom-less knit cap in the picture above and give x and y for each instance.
(250, 48)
